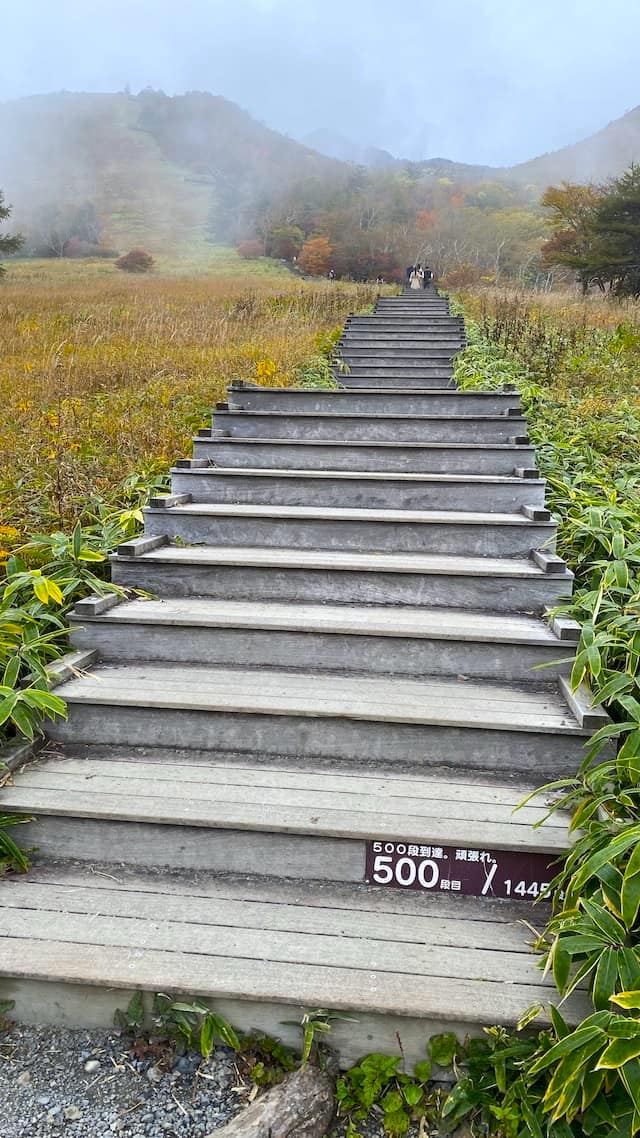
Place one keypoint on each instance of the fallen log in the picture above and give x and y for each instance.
(301, 1106)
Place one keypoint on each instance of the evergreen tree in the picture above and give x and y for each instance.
(597, 232)
(615, 252)
(8, 244)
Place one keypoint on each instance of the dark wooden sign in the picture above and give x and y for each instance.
(458, 870)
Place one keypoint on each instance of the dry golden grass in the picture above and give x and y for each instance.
(567, 308)
(102, 376)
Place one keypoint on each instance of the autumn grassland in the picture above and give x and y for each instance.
(104, 375)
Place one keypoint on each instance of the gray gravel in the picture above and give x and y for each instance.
(88, 1084)
(61, 1083)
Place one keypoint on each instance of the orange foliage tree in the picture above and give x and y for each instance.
(316, 255)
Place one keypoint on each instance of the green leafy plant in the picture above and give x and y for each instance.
(265, 1059)
(377, 1086)
(5, 1022)
(11, 855)
(182, 1025)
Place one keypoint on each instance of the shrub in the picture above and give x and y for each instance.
(251, 249)
(135, 261)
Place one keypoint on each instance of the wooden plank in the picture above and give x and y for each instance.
(325, 950)
(272, 692)
(336, 559)
(210, 888)
(307, 985)
(268, 915)
(412, 622)
(245, 816)
(336, 514)
(393, 808)
(206, 769)
(365, 475)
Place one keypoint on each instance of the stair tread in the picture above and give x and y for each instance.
(434, 701)
(409, 622)
(453, 393)
(369, 475)
(330, 804)
(142, 936)
(512, 567)
(402, 445)
(517, 420)
(335, 514)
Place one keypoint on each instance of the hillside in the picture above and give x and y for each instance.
(161, 172)
(601, 156)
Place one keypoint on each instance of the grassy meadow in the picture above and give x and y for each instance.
(103, 375)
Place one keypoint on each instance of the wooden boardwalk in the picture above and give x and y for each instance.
(289, 780)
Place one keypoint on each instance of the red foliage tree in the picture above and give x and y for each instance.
(252, 248)
(316, 255)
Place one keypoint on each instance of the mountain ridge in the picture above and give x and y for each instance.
(167, 171)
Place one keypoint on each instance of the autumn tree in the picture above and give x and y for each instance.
(251, 249)
(8, 244)
(572, 211)
(284, 242)
(316, 256)
(597, 232)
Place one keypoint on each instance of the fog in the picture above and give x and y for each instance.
(489, 81)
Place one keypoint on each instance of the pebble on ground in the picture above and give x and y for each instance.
(63, 1083)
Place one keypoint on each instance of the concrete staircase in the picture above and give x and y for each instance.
(280, 774)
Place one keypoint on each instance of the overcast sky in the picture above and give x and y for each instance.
(494, 81)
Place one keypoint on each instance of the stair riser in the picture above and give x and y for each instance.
(405, 329)
(323, 456)
(355, 536)
(41, 1001)
(326, 652)
(414, 311)
(371, 338)
(351, 381)
(432, 339)
(368, 429)
(382, 325)
(260, 583)
(404, 372)
(383, 355)
(304, 857)
(367, 742)
(373, 403)
(358, 493)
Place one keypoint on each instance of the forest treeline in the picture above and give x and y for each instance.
(95, 175)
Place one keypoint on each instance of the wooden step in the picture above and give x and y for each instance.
(371, 427)
(371, 490)
(438, 382)
(374, 401)
(369, 640)
(262, 951)
(364, 455)
(424, 723)
(461, 532)
(240, 815)
(238, 573)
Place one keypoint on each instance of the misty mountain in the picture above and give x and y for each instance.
(595, 159)
(159, 171)
(167, 172)
(334, 145)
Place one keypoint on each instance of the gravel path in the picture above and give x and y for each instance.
(88, 1084)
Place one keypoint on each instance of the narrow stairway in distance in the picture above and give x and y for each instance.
(288, 781)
